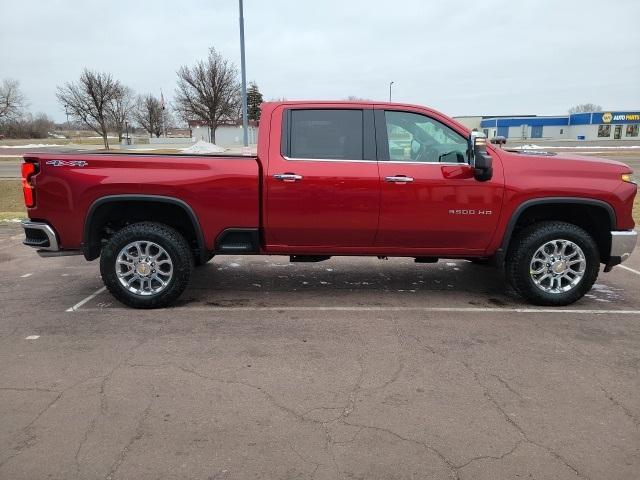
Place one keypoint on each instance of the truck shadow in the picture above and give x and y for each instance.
(274, 281)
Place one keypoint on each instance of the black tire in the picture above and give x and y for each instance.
(175, 246)
(523, 248)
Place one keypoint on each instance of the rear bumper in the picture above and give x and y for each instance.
(622, 245)
(43, 237)
(40, 235)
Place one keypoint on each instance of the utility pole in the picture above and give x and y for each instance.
(390, 83)
(245, 120)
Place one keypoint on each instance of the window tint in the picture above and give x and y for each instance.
(417, 138)
(326, 134)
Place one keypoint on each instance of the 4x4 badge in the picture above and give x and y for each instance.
(67, 163)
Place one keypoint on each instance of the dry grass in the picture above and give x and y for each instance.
(636, 210)
(11, 200)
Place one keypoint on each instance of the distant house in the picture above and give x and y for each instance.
(228, 134)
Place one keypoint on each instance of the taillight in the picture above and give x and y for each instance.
(28, 170)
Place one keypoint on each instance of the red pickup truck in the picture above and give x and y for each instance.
(336, 178)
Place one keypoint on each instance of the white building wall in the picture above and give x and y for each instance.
(554, 132)
(516, 132)
(226, 136)
(590, 132)
(470, 122)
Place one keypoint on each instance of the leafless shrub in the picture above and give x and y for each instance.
(12, 101)
(90, 100)
(585, 107)
(148, 114)
(208, 91)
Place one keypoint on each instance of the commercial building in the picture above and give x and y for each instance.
(599, 126)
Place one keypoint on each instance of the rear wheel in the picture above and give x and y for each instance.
(146, 265)
(553, 263)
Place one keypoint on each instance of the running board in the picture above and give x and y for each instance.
(308, 258)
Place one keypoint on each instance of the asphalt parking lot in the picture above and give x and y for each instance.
(350, 368)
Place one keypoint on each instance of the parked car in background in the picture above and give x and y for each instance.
(499, 140)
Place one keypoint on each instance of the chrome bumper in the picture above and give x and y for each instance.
(622, 245)
(40, 235)
(43, 237)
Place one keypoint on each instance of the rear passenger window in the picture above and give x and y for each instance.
(326, 134)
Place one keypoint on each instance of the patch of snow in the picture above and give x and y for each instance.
(201, 147)
(33, 145)
(533, 146)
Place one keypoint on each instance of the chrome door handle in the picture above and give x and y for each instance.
(399, 179)
(287, 177)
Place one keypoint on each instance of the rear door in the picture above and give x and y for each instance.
(430, 199)
(322, 182)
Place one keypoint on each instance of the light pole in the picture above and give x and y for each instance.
(245, 120)
(390, 83)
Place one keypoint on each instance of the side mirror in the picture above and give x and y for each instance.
(482, 161)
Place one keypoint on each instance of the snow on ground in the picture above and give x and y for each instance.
(202, 147)
(33, 145)
(553, 147)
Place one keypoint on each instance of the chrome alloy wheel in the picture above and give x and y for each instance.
(144, 268)
(557, 266)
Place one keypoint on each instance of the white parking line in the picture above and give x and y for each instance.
(629, 269)
(375, 309)
(26, 275)
(85, 300)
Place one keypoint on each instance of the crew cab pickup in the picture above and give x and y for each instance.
(336, 178)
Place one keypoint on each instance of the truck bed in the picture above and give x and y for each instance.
(222, 190)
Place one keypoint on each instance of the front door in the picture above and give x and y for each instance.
(430, 199)
(322, 183)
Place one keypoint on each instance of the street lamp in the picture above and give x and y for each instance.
(245, 122)
(390, 83)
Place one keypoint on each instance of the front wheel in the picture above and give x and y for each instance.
(552, 263)
(146, 265)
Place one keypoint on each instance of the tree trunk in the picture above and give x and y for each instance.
(105, 140)
(212, 133)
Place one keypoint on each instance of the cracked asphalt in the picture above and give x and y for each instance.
(347, 369)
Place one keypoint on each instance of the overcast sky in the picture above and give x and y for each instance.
(461, 57)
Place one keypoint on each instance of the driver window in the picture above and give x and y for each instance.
(416, 138)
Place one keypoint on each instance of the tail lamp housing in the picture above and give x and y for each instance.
(29, 169)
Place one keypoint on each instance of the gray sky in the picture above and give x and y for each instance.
(461, 57)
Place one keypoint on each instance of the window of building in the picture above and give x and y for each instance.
(604, 130)
(632, 130)
(326, 134)
(416, 138)
(562, 131)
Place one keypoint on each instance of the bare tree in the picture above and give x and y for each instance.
(148, 114)
(353, 98)
(208, 91)
(12, 101)
(89, 100)
(585, 107)
(119, 110)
